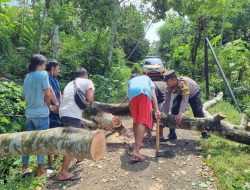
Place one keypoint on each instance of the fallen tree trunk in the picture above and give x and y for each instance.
(212, 123)
(211, 103)
(238, 133)
(58, 141)
(115, 109)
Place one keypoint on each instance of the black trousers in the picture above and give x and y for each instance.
(195, 103)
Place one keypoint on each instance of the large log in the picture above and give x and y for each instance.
(58, 141)
(212, 123)
(238, 133)
(115, 109)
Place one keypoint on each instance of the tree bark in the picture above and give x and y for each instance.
(115, 109)
(55, 40)
(108, 123)
(66, 141)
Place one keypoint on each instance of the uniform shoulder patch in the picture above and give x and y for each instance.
(184, 88)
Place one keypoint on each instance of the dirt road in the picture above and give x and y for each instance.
(116, 172)
(185, 170)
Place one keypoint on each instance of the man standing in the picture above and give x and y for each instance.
(141, 95)
(53, 69)
(37, 93)
(71, 114)
(187, 91)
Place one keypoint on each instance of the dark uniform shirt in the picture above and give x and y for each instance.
(55, 120)
(56, 87)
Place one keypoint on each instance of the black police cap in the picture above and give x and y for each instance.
(169, 74)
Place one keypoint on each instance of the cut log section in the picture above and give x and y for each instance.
(107, 122)
(66, 141)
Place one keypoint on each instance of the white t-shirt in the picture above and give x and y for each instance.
(68, 106)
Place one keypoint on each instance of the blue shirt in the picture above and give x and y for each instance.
(55, 86)
(140, 85)
(34, 85)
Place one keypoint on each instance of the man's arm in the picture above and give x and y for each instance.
(183, 107)
(54, 100)
(47, 96)
(90, 95)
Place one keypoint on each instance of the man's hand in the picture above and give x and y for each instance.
(157, 114)
(178, 118)
(54, 108)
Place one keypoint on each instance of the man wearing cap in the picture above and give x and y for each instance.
(188, 91)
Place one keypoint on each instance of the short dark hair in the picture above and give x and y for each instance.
(51, 63)
(135, 75)
(80, 72)
(35, 60)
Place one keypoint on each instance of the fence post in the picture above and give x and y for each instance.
(206, 69)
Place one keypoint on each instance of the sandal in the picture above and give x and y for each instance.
(79, 161)
(26, 172)
(137, 158)
(72, 177)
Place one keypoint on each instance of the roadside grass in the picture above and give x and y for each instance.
(15, 180)
(229, 160)
(233, 116)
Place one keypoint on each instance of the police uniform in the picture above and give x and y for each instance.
(188, 91)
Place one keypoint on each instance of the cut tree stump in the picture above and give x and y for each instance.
(67, 141)
(106, 122)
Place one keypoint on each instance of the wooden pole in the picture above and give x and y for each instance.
(157, 136)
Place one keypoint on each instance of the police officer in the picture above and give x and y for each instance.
(187, 91)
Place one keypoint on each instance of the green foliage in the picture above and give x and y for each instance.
(182, 43)
(114, 88)
(132, 20)
(11, 103)
(229, 160)
(229, 110)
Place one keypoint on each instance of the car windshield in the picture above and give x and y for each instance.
(153, 61)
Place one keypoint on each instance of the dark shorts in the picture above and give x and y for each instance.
(72, 122)
(55, 121)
